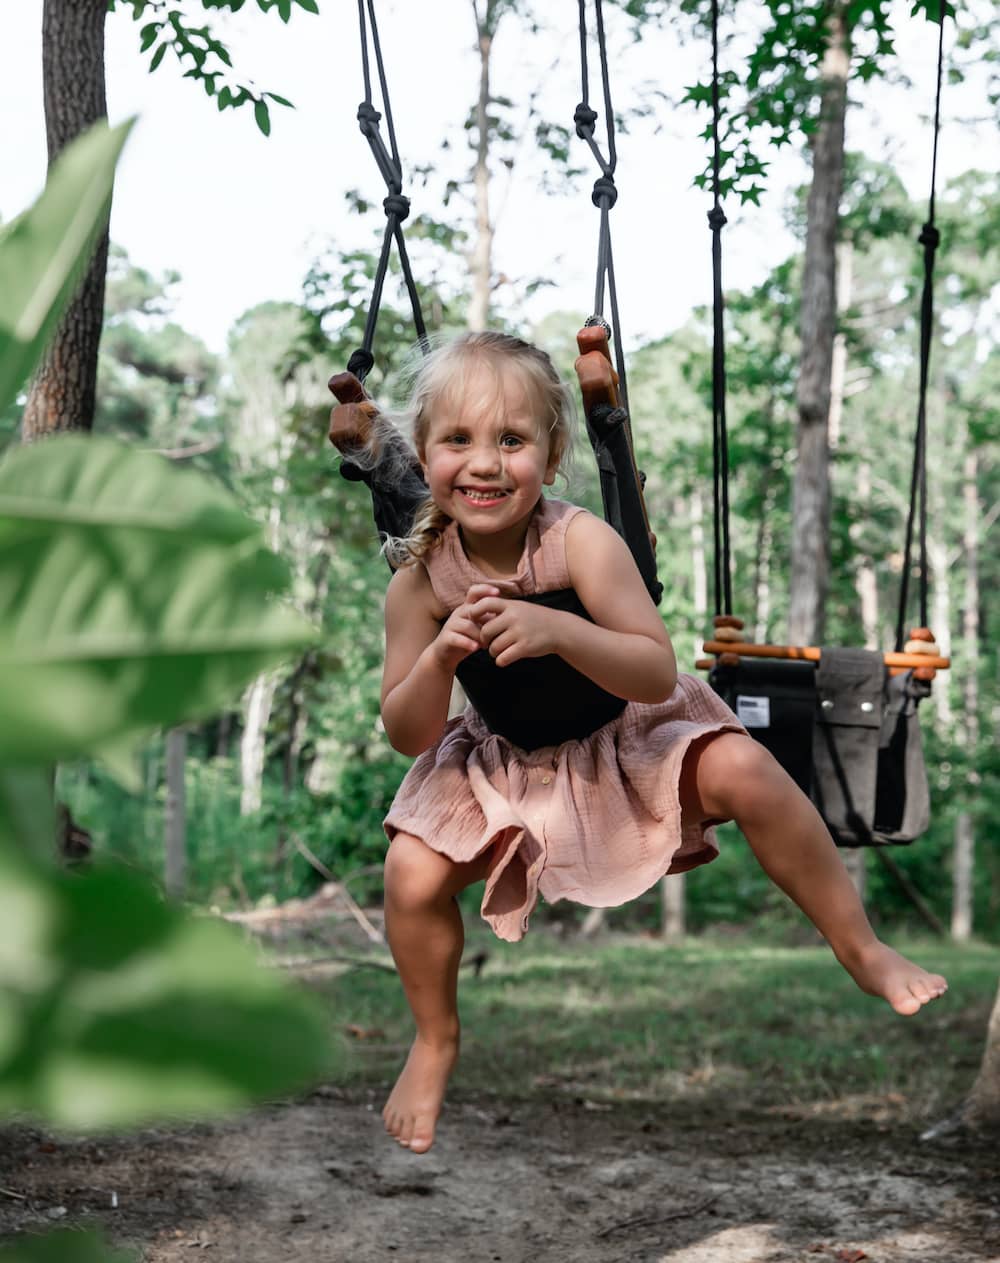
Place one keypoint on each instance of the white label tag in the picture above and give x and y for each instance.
(754, 712)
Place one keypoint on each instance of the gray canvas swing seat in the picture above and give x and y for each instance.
(846, 731)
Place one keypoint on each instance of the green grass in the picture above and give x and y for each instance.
(739, 1024)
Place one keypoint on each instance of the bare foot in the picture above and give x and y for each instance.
(880, 971)
(412, 1109)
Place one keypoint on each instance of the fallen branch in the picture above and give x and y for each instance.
(374, 934)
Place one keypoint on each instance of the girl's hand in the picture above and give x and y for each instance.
(461, 633)
(513, 629)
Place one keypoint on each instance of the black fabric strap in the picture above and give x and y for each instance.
(929, 239)
(720, 438)
(395, 204)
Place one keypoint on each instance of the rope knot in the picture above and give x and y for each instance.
(396, 204)
(929, 236)
(605, 194)
(599, 322)
(360, 363)
(717, 219)
(584, 118)
(368, 118)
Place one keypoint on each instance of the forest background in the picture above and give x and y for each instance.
(292, 784)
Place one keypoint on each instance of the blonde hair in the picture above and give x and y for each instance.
(447, 372)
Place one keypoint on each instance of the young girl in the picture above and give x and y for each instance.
(585, 767)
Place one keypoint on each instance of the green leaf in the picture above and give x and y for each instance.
(148, 36)
(310, 6)
(27, 817)
(157, 57)
(44, 252)
(134, 594)
(280, 99)
(66, 1246)
(119, 1009)
(263, 116)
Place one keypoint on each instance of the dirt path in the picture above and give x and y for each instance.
(317, 1181)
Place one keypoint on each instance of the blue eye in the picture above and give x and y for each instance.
(511, 440)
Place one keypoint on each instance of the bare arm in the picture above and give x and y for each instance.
(420, 658)
(626, 650)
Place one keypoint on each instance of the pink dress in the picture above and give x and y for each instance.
(597, 821)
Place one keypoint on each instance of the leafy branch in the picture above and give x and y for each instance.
(204, 57)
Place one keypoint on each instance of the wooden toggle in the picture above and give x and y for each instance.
(599, 387)
(351, 420)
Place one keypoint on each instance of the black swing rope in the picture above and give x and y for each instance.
(720, 440)
(396, 205)
(929, 239)
(605, 192)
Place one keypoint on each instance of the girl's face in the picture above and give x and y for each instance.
(485, 456)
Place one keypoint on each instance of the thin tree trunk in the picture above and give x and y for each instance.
(252, 744)
(62, 395)
(965, 841)
(865, 581)
(811, 491)
(175, 816)
(699, 565)
(482, 252)
(672, 900)
(937, 555)
(838, 364)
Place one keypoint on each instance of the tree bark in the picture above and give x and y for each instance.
(62, 395)
(811, 492)
(481, 263)
(865, 581)
(965, 841)
(175, 816)
(838, 362)
(259, 697)
(672, 900)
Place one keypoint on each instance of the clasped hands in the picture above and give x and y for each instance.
(507, 628)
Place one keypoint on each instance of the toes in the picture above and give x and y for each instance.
(920, 989)
(423, 1134)
(906, 1003)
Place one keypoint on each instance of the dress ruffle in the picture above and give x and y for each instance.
(597, 821)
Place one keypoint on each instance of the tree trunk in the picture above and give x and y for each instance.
(865, 581)
(964, 855)
(482, 252)
(699, 567)
(940, 568)
(259, 697)
(811, 492)
(983, 1103)
(175, 816)
(838, 363)
(672, 899)
(62, 395)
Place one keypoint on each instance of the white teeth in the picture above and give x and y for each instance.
(482, 495)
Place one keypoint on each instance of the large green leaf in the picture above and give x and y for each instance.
(132, 595)
(44, 251)
(116, 1008)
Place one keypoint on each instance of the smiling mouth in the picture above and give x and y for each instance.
(480, 495)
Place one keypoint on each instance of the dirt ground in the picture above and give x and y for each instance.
(569, 1180)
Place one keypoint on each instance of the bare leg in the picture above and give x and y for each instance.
(730, 776)
(424, 928)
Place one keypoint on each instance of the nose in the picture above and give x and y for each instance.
(485, 459)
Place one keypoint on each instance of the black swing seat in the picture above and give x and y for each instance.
(847, 731)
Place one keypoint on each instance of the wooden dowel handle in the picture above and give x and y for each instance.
(811, 653)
